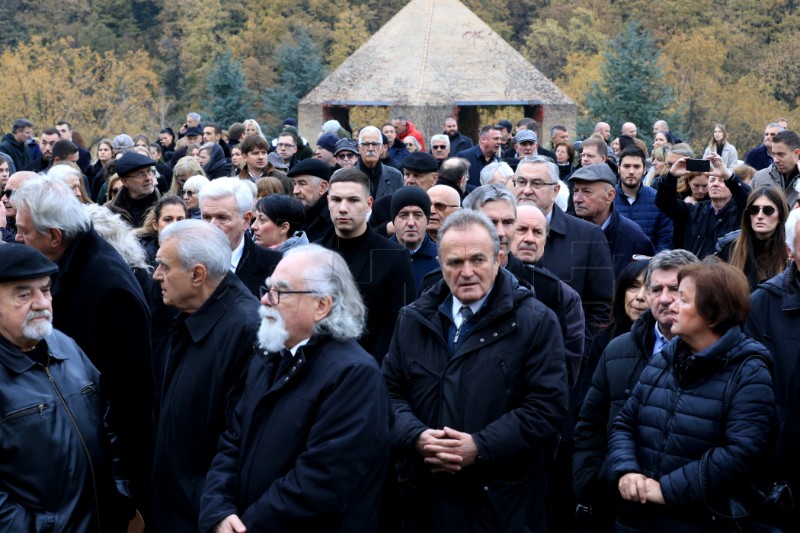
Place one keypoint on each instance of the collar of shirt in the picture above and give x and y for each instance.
(661, 340)
(475, 307)
(236, 255)
(297, 346)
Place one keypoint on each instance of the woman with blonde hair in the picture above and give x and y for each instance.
(185, 168)
(251, 128)
(720, 145)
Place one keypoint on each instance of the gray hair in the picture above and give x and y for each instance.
(682, 149)
(492, 192)
(790, 227)
(198, 182)
(194, 116)
(775, 125)
(467, 217)
(369, 129)
(63, 171)
(488, 171)
(552, 168)
(200, 243)
(235, 188)
(122, 143)
(668, 260)
(329, 275)
(118, 233)
(440, 137)
(52, 204)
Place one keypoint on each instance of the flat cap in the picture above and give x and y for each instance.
(18, 262)
(421, 162)
(526, 136)
(311, 167)
(346, 145)
(131, 162)
(277, 161)
(193, 131)
(598, 172)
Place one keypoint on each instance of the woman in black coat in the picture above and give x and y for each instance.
(690, 435)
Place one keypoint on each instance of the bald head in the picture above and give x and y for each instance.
(445, 201)
(530, 234)
(629, 129)
(603, 129)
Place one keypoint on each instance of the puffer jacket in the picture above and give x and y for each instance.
(655, 224)
(55, 455)
(674, 417)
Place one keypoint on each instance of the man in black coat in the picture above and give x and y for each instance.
(15, 144)
(98, 302)
(458, 141)
(487, 151)
(577, 252)
(700, 225)
(309, 445)
(228, 204)
(479, 389)
(311, 188)
(210, 345)
(381, 268)
(138, 194)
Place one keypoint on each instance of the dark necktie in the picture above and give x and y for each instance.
(466, 314)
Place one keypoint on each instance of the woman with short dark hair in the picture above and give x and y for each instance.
(690, 435)
(278, 221)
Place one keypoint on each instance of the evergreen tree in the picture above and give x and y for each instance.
(228, 100)
(632, 86)
(300, 68)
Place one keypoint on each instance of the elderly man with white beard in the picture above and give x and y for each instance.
(55, 458)
(309, 445)
(210, 344)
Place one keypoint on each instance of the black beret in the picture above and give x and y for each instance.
(131, 162)
(194, 130)
(311, 167)
(410, 195)
(421, 162)
(18, 262)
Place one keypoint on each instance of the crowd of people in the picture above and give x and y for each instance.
(221, 332)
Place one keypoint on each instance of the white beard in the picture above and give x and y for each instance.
(272, 332)
(40, 329)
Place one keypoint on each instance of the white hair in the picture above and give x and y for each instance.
(198, 182)
(119, 234)
(440, 137)
(52, 204)
(222, 188)
(488, 171)
(329, 275)
(790, 227)
(62, 172)
(200, 243)
(370, 129)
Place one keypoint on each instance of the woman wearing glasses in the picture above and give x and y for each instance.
(759, 249)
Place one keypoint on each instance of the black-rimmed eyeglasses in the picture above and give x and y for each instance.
(274, 295)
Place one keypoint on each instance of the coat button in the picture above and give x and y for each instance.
(481, 339)
(513, 324)
(286, 378)
(485, 488)
(495, 334)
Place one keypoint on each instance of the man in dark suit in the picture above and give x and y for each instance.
(487, 151)
(381, 268)
(228, 204)
(577, 251)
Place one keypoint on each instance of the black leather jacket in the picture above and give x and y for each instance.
(55, 453)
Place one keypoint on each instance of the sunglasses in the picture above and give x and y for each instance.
(768, 210)
(8, 192)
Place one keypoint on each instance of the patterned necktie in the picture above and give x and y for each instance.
(466, 314)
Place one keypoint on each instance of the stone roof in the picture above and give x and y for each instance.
(436, 52)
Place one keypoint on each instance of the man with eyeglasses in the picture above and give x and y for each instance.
(309, 448)
(138, 193)
(384, 180)
(445, 201)
(14, 182)
(210, 345)
(440, 148)
(761, 156)
(577, 252)
(286, 147)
